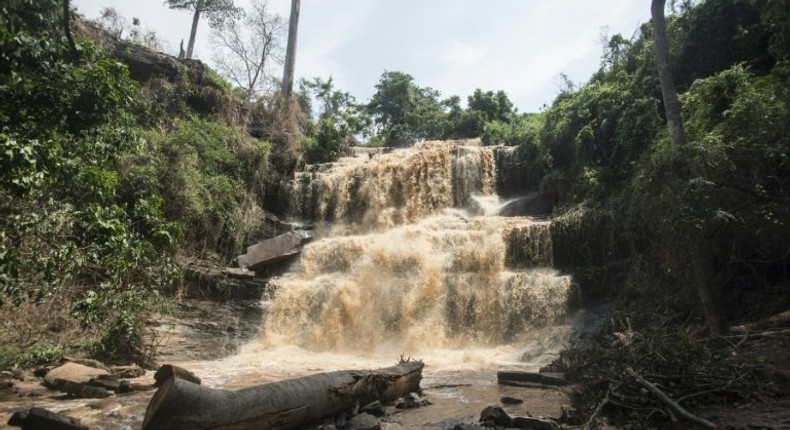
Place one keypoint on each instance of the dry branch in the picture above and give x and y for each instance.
(671, 404)
(180, 404)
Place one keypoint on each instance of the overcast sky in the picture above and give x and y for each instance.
(454, 46)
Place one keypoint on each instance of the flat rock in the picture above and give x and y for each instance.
(108, 382)
(530, 379)
(274, 250)
(74, 372)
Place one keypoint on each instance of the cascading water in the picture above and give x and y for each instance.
(410, 258)
(411, 261)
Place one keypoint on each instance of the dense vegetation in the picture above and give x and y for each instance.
(646, 222)
(103, 182)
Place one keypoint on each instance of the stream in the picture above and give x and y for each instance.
(411, 258)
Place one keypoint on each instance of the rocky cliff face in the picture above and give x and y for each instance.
(147, 66)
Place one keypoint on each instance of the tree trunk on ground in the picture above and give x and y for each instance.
(180, 404)
(290, 54)
(193, 33)
(668, 92)
(711, 302)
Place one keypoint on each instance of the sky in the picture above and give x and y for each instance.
(453, 46)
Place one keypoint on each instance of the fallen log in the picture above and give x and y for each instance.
(168, 371)
(180, 404)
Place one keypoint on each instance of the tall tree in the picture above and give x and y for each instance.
(668, 92)
(217, 12)
(290, 55)
(244, 48)
(711, 302)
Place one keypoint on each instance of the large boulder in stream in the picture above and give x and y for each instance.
(274, 250)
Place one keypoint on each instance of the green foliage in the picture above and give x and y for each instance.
(203, 170)
(522, 130)
(217, 11)
(12, 356)
(644, 221)
(218, 81)
(482, 108)
(405, 113)
(329, 144)
(340, 120)
(64, 228)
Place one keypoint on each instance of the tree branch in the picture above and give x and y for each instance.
(672, 405)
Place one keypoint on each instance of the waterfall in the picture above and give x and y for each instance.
(412, 257)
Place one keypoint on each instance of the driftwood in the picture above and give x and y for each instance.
(671, 404)
(180, 404)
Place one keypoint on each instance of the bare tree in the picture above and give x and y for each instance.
(118, 25)
(113, 22)
(245, 48)
(290, 56)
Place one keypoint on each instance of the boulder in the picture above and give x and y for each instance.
(531, 379)
(364, 421)
(495, 416)
(73, 372)
(42, 419)
(79, 390)
(375, 409)
(274, 250)
(108, 382)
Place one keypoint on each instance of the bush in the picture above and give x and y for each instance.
(203, 170)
